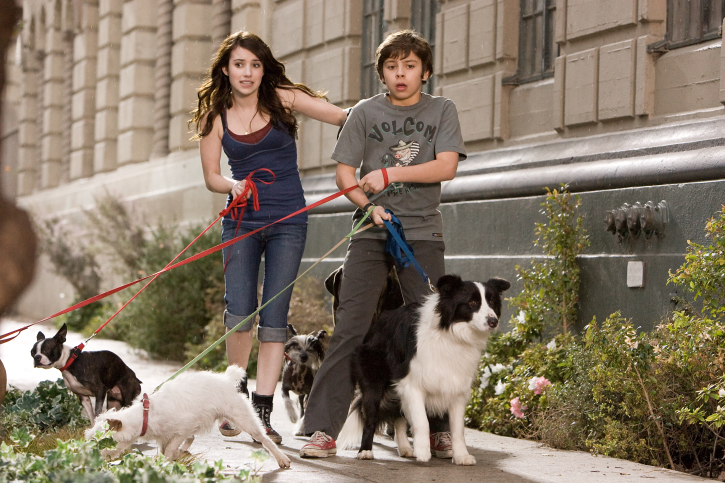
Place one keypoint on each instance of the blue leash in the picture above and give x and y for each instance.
(399, 248)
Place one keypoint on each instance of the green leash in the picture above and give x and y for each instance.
(356, 229)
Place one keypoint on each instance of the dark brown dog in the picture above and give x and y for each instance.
(391, 296)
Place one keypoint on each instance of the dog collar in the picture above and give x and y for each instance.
(286, 356)
(146, 406)
(74, 353)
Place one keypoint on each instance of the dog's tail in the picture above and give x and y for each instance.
(351, 434)
(236, 374)
(289, 405)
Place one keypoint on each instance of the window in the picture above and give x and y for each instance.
(372, 35)
(693, 21)
(423, 20)
(537, 49)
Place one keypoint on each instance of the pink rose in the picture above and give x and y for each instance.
(516, 408)
(538, 384)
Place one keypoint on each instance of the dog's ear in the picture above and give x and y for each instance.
(41, 336)
(498, 284)
(448, 284)
(114, 425)
(324, 339)
(291, 332)
(332, 282)
(62, 332)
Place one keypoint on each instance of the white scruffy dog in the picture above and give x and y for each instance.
(184, 407)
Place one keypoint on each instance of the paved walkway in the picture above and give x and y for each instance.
(498, 459)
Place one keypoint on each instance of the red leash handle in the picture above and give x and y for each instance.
(241, 202)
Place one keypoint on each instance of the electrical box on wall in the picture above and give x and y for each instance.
(635, 274)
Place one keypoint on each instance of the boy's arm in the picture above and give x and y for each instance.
(345, 177)
(442, 168)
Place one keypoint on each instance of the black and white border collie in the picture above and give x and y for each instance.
(421, 359)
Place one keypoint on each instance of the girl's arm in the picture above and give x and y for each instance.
(442, 168)
(313, 107)
(210, 148)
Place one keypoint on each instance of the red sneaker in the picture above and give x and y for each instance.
(320, 445)
(228, 430)
(440, 444)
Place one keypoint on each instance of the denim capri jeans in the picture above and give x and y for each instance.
(282, 246)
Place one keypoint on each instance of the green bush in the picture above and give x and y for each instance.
(703, 273)
(653, 397)
(172, 311)
(48, 407)
(78, 264)
(547, 305)
(81, 461)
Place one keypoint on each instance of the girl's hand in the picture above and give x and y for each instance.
(238, 189)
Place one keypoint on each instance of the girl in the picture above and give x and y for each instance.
(246, 108)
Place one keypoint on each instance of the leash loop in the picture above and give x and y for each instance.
(238, 205)
(399, 248)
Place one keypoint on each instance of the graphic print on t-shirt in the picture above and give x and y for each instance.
(402, 155)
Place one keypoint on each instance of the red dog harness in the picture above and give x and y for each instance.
(74, 353)
(146, 406)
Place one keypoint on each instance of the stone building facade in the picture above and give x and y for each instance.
(622, 99)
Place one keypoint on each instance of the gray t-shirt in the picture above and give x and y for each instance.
(379, 134)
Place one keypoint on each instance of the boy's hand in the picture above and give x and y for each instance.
(378, 215)
(373, 182)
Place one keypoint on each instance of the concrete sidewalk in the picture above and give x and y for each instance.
(498, 459)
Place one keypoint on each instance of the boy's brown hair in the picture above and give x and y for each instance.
(399, 45)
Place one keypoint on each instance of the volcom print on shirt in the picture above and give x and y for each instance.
(379, 135)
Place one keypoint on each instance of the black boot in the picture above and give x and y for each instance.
(263, 406)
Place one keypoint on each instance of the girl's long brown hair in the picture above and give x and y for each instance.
(215, 93)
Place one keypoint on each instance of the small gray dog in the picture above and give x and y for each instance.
(304, 354)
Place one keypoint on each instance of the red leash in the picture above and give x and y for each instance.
(146, 407)
(238, 214)
(238, 201)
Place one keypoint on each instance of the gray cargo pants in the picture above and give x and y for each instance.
(366, 267)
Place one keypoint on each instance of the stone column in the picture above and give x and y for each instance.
(162, 77)
(53, 102)
(190, 60)
(247, 15)
(108, 67)
(138, 56)
(85, 52)
(67, 119)
(28, 133)
(221, 23)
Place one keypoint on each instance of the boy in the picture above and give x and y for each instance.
(410, 141)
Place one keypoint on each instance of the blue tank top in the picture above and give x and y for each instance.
(277, 151)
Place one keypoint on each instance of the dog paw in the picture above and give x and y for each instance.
(284, 461)
(405, 452)
(465, 460)
(365, 455)
(423, 455)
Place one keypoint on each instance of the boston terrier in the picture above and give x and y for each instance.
(97, 374)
